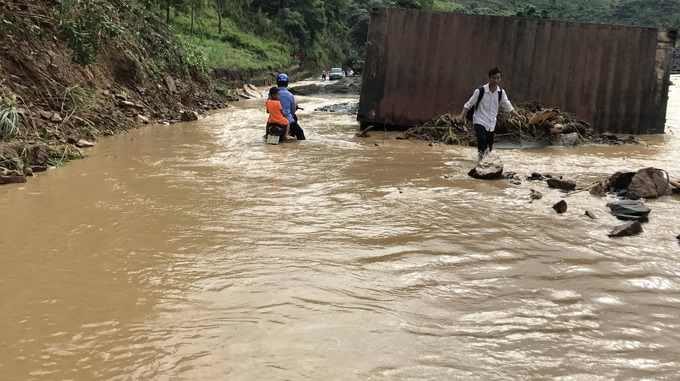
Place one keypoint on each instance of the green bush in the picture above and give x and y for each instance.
(86, 25)
(9, 117)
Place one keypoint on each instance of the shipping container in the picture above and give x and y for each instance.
(423, 64)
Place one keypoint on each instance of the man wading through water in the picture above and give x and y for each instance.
(482, 109)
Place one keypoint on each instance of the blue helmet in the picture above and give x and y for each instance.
(283, 77)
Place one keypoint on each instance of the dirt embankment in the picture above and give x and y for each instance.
(55, 104)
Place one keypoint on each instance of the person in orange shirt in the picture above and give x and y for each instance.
(277, 124)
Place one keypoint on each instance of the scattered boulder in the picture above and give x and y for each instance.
(560, 207)
(628, 229)
(599, 189)
(591, 215)
(650, 183)
(535, 195)
(189, 116)
(629, 210)
(562, 184)
(28, 172)
(82, 143)
(487, 169)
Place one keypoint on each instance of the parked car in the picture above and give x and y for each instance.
(336, 73)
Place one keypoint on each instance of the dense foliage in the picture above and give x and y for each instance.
(266, 34)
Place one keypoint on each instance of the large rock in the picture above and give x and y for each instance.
(565, 185)
(627, 229)
(629, 210)
(650, 183)
(487, 169)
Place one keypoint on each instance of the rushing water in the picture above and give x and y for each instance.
(196, 252)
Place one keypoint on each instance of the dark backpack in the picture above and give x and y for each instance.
(471, 112)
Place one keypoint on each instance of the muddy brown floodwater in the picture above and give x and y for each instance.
(196, 252)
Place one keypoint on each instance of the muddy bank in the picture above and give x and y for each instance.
(60, 93)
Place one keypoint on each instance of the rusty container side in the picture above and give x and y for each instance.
(423, 64)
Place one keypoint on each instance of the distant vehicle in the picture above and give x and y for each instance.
(336, 73)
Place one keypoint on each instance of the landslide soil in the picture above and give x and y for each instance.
(140, 76)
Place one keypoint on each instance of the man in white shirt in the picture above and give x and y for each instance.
(484, 111)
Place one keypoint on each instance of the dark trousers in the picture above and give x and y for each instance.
(296, 130)
(275, 129)
(484, 139)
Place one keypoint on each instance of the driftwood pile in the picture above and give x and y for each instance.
(532, 124)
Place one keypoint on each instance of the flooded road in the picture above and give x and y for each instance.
(196, 252)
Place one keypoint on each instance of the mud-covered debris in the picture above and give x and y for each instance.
(344, 108)
(533, 123)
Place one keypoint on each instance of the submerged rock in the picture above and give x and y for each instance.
(627, 229)
(535, 195)
(629, 210)
(561, 207)
(565, 185)
(12, 179)
(591, 215)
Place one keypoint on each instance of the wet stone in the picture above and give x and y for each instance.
(560, 207)
(565, 185)
(487, 170)
(628, 229)
(535, 195)
(629, 210)
(82, 143)
(591, 215)
(535, 176)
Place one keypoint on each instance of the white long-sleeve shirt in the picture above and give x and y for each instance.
(487, 112)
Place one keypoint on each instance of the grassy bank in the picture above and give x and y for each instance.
(232, 48)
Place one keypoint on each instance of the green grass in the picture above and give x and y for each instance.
(233, 48)
(9, 117)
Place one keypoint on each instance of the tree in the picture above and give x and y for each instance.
(219, 8)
